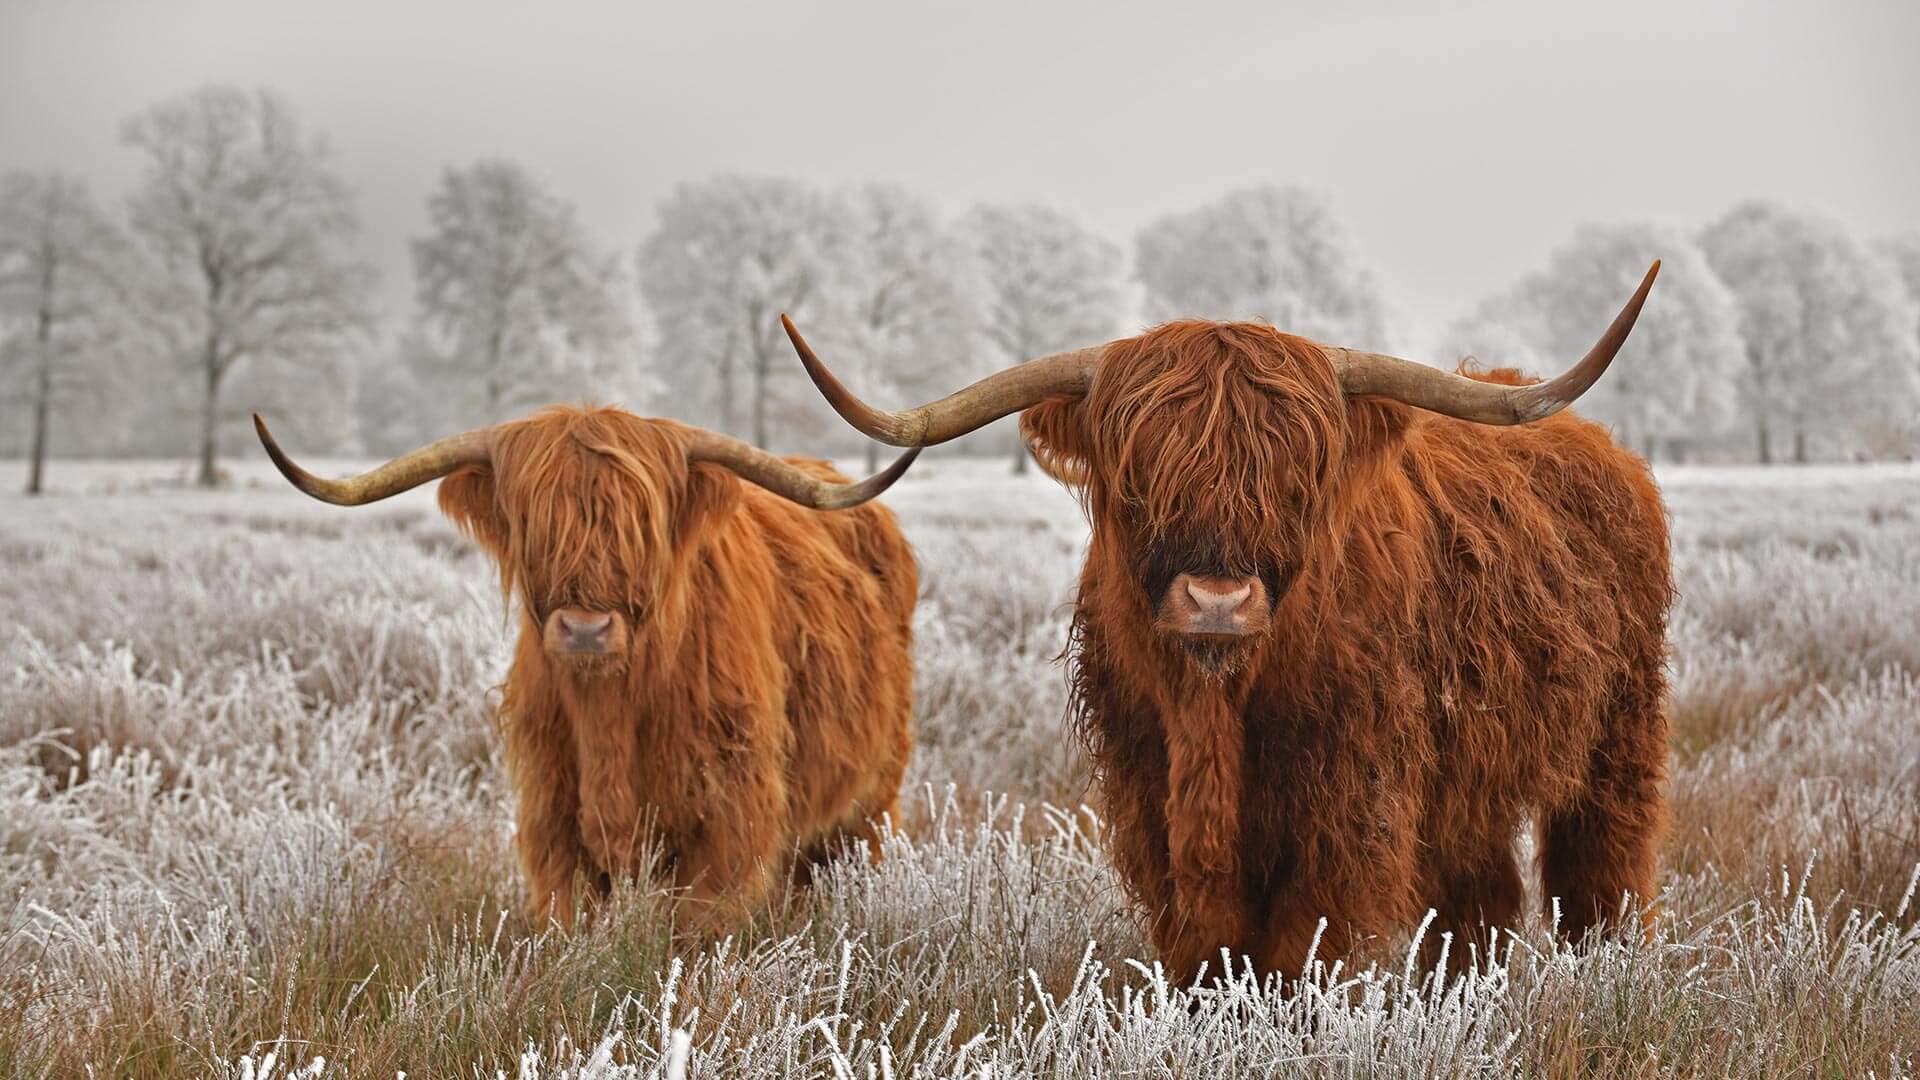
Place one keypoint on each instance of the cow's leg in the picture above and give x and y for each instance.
(723, 891)
(880, 802)
(869, 828)
(1188, 944)
(1203, 740)
(1291, 934)
(1601, 847)
(1472, 899)
(1137, 842)
(541, 761)
(859, 829)
(729, 864)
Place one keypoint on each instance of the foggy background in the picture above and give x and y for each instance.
(379, 223)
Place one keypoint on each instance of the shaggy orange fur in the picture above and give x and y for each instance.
(761, 707)
(1468, 630)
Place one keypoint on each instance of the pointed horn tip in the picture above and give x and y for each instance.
(295, 475)
(279, 456)
(885, 479)
(877, 484)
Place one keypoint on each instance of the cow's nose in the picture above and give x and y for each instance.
(1217, 605)
(574, 631)
(1214, 606)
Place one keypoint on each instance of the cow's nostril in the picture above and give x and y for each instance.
(586, 625)
(1218, 603)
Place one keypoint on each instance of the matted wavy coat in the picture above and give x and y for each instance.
(1470, 631)
(761, 707)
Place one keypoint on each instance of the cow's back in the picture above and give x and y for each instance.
(1546, 606)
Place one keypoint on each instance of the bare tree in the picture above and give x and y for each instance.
(246, 220)
(63, 303)
(1049, 284)
(1272, 253)
(729, 255)
(1828, 328)
(1676, 378)
(525, 309)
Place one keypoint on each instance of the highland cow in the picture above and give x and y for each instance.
(705, 662)
(1345, 623)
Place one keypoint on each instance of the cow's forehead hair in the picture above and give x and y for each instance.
(589, 494)
(1217, 426)
(592, 456)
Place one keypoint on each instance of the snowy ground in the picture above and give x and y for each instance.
(250, 804)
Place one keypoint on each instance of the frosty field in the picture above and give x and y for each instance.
(253, 823)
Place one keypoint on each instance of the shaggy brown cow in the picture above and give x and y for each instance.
(1337, 637)
(704, 656)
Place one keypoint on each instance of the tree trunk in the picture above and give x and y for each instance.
(1766, 444)
(43, 394)
(759, 400)
(1799, 446)
(210, 408)
(873, 457)
(1020, 454)
(210, 423)
(1647, 442)
(495, 390)
(729, 397)
(43, 390)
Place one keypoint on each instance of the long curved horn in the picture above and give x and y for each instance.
(430, 462)
(1482, 402)
(1003, 392)
(787, 480)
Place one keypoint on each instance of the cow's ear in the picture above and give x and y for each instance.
(467, 496)
(712, 493)
(1056, 431)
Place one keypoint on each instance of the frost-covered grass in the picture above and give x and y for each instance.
(253, 824)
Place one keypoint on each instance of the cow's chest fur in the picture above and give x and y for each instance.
(649, 773)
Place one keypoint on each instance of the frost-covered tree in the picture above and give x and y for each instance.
(1828, 327)
(728, 256)
(1271, 253)
(1899, 434)
(1048, 284)
(1903, 253)
(1506, 331)
(64, 302)
(907, 303)
(1678, 375)
(400, 399)
(521, 307)
(248, 224)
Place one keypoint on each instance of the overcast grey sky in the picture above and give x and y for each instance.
(1459, 142)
